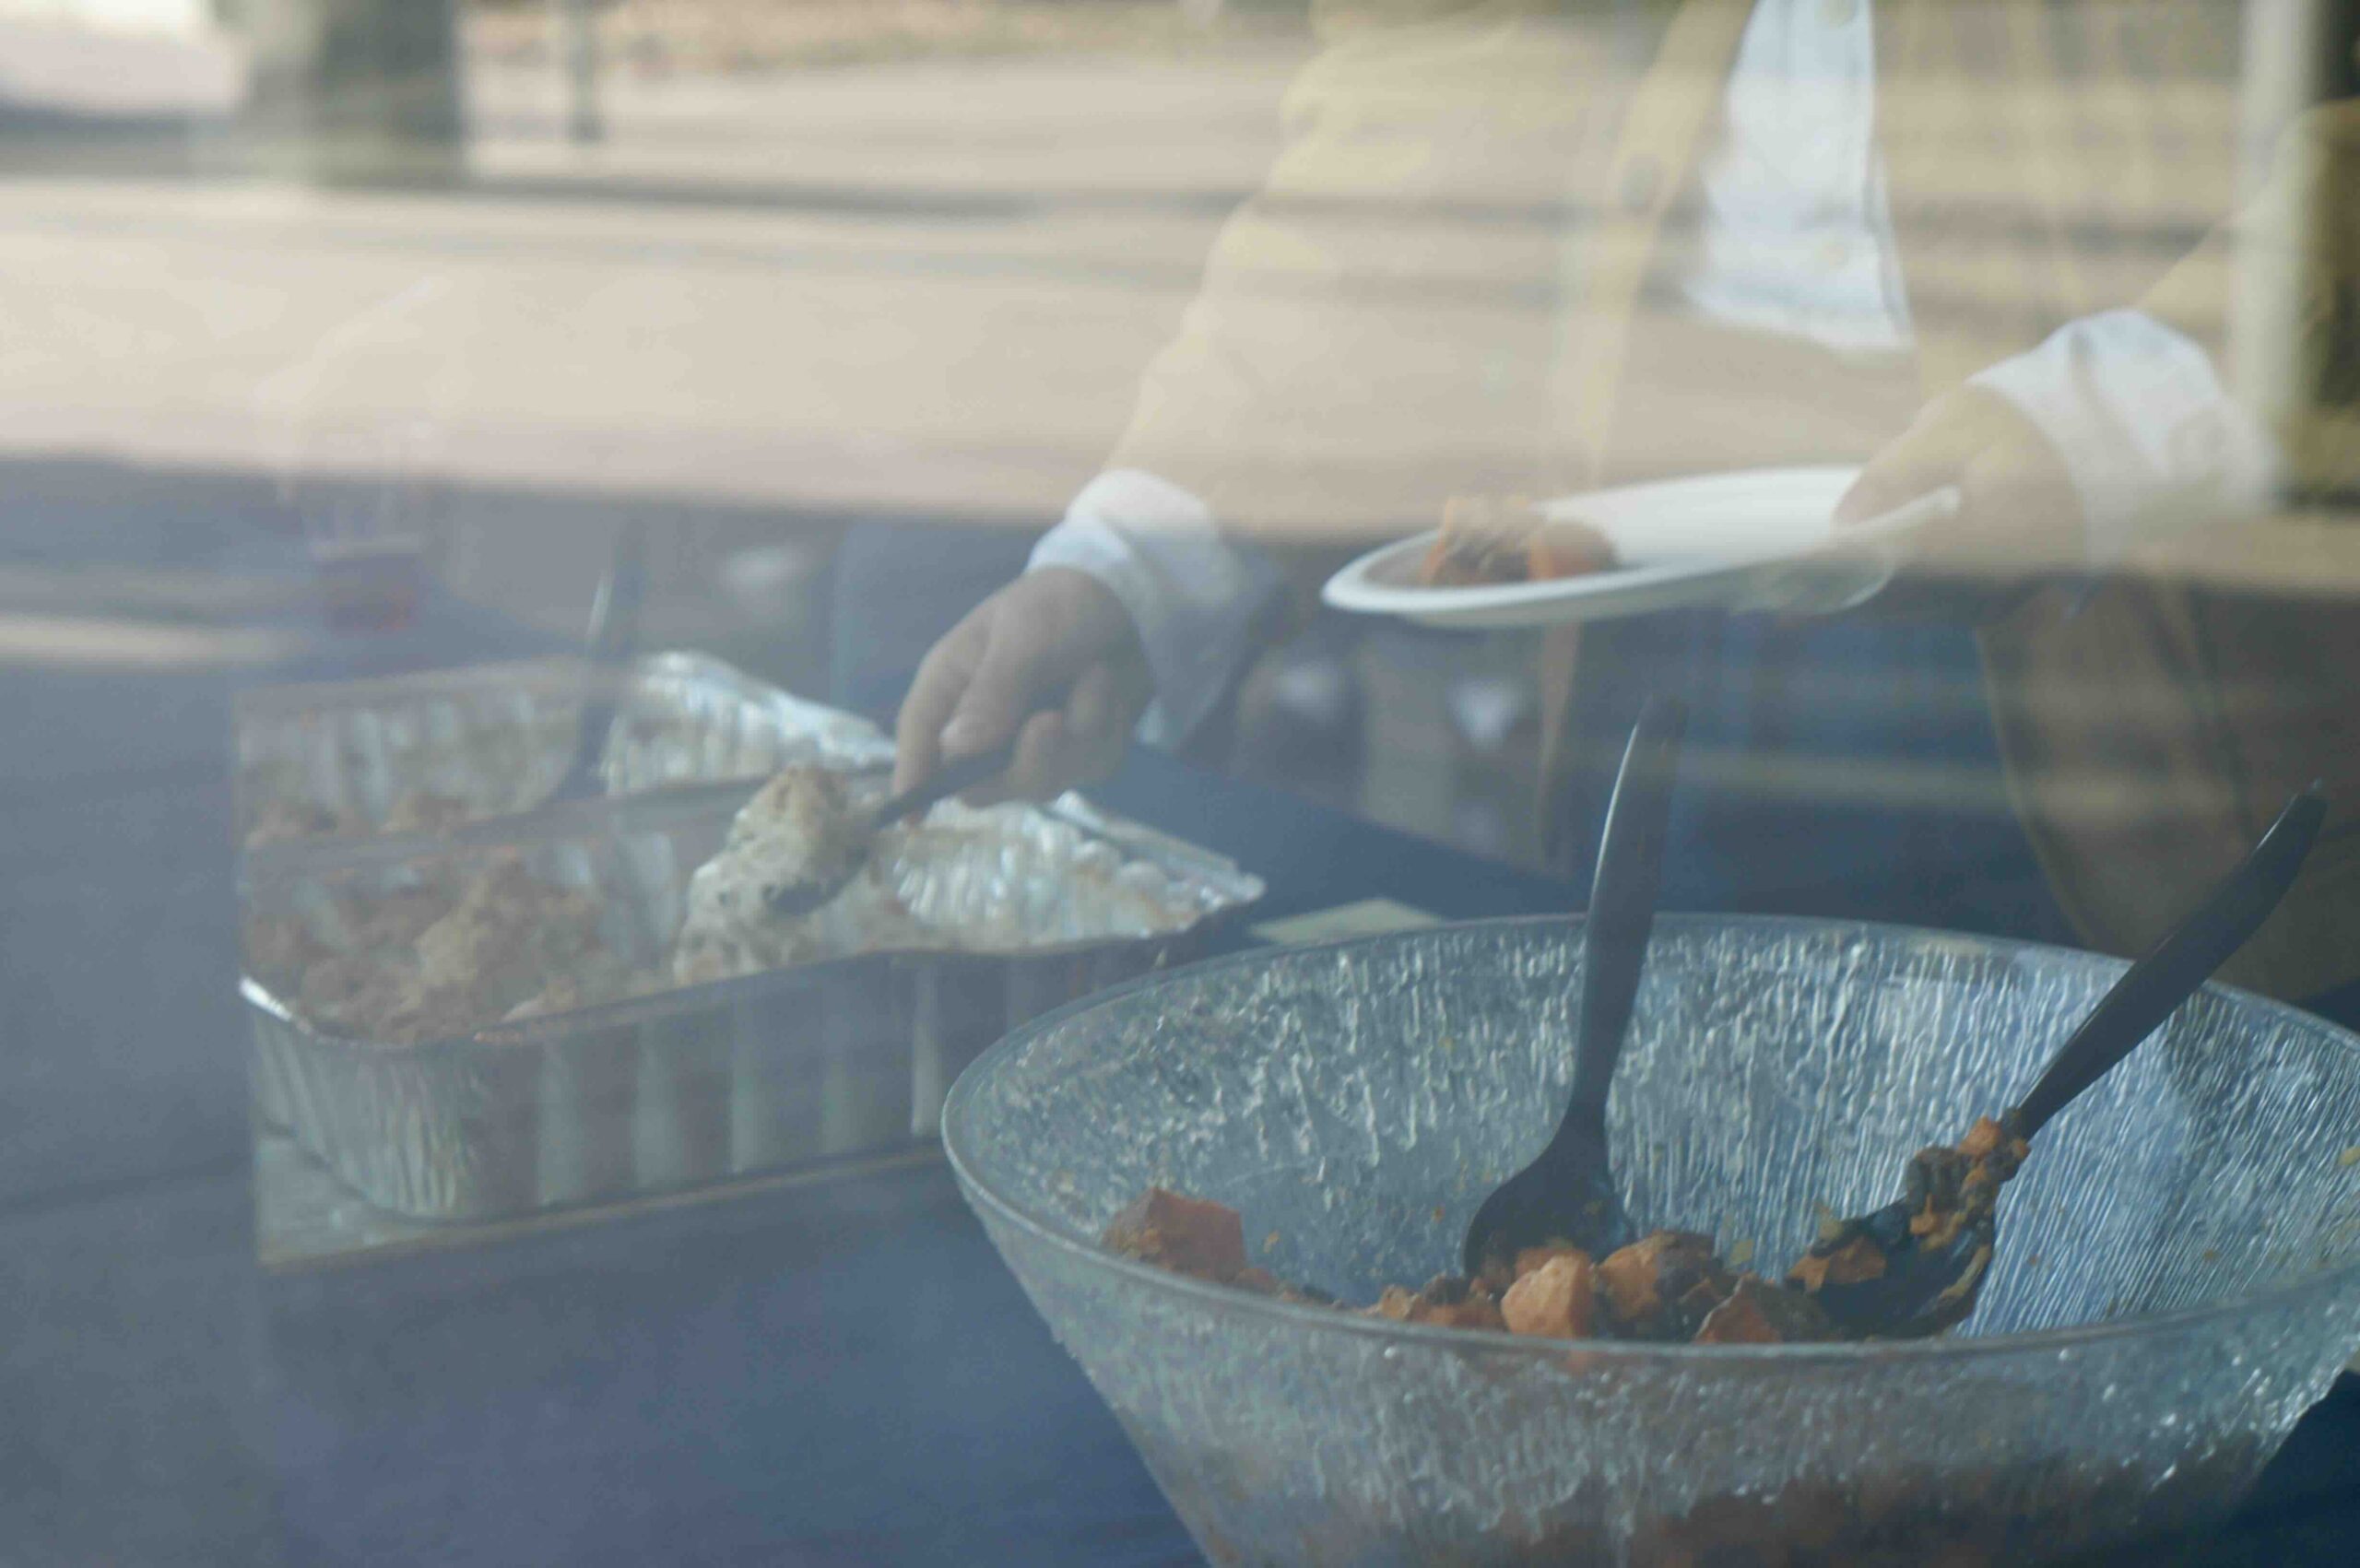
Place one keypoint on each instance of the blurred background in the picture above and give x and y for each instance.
(492, 275)
(333, 328)
(496, 274)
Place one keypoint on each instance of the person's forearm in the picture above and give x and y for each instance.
(2145, 428)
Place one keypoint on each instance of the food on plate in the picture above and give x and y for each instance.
(1668, 1287)
(460, 950)
(1485, 540)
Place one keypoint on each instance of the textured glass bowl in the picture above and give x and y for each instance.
(2178, 1279)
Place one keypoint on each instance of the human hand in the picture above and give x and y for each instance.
(1051, 659)
(2019, 514)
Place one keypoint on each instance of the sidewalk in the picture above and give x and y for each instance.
(916, 286)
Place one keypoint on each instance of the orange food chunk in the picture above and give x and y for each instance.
(1566, 548)
(1758, 1313)
(1188, 1235)
(1484, 539)
(1531, 1258)
(1983, 1138)
(1648, 1284)
(1854, 1261)
(1558, 1300)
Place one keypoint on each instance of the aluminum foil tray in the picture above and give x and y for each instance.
(496, 738)
(697, 1083)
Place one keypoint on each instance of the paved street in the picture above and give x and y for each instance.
(908, 286)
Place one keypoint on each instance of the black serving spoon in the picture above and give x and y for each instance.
(1568, 1195)
(1922, 1284)
(607, 653)
(825, 881)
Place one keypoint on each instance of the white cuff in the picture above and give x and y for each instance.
(1194, 596)
(2150, 439)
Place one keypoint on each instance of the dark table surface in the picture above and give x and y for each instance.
(839, 1372)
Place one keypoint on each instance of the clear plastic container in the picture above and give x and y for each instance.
(2178, 1277)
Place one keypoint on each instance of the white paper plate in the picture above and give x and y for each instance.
(1758, 538)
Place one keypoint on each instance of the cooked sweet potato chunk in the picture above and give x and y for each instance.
(1188, 1235)
(1558, 1300)
(1759, 1312)
(1857, 1260)
(1661, 1285)
(1668, 1286)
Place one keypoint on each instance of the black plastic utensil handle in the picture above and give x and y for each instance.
(1622, 902)
(614, 618)
(948, 780)
(611, 643)
(2152, 989)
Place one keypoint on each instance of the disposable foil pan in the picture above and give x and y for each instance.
(497, 737)
(690, 1085)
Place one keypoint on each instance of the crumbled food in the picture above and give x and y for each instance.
(508, 935)
(464, 948)
(1663, 1285)
(1668, 1283)
(1487, 539)
(283, 820)
(807, 828)
(1668, 1287)
(423, 811)
(802, 833)
(1759, 1312)
(279, 946)
(1447, 1302)
(1848, 1260)
(1948, 1192)
(962, 878)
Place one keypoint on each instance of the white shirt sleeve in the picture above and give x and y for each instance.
(2152, 440)
(1194, 596)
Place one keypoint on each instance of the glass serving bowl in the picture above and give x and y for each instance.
(2178, 1276)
